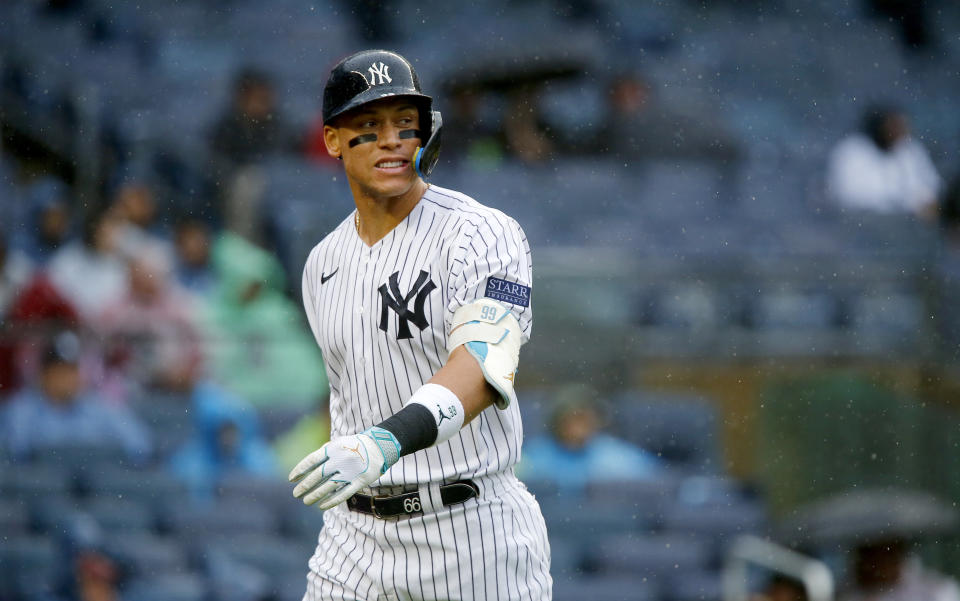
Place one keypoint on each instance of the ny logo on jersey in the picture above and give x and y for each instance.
(380, 71)
(398, 301)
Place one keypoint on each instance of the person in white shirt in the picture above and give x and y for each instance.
(883, 168)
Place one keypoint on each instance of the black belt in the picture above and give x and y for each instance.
(408, 503)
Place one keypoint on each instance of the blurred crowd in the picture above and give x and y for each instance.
(103, 308)
(171, 291)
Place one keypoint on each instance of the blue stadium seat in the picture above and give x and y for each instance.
(29, 482)
(699, 585)
(535, 408)
(607, 588)
(14, 517)
(27, 565)
(271, 492)
(199, 523)
(148, 556)
(567, 557)
(647, 498)
(655, 557)
(301, 521)
(118, 515)
(52, 514)
(269, 554)
(716, 523)
(794, 310)
(275, 421)
(288, 586)
(154, 488)
(588, 522)
(169, 587)
(681, 429)
(169, 419)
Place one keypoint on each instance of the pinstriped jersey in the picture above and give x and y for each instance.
(382, 314)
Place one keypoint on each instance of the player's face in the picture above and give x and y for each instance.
(380, 162)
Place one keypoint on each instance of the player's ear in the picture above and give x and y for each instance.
(331, 137)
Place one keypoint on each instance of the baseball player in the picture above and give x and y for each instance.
(420, 301)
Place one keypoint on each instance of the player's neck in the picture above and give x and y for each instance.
(378, 216)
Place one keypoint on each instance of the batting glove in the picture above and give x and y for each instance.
(334, 472)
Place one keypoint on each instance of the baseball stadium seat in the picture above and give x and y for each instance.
(695, 585)
(288, 586)
(680, 429)
(653, 556)
(271, 492)
(118, 515)
(301, 521)
(150, 487)
(14, 517)
(198, 523)
(715, 523)
(647, 498)
(607, 588)
(148, 556)
(588, 521)
(27, 565)
(28, 482)
(169, 587)
(269, 554)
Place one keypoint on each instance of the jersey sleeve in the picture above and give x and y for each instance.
(492, 260)
(309, 286)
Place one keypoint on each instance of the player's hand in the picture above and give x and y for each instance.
(334, 472)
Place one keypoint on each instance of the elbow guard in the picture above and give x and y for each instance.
(490, 333)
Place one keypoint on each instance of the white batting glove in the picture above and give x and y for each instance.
(334, 472)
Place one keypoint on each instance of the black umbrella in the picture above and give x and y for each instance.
(871, 515)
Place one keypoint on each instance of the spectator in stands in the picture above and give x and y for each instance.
(307, 435)
(194, 270)
(478, 140)
(525, 133)
(86, 569)
(90, 272)
(151, 333)
(60, 411)
(884, 570)
(226, 439)
(640, 126)
(252, 128)
(37, 312)
(576, 452)
(258, 346)
(883, 169)
(134, 206)
(49, 225)
(15, 270)
(250, 131)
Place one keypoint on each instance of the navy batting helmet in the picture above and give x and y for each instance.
(371, 75)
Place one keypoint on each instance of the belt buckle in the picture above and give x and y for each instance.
(373, 506)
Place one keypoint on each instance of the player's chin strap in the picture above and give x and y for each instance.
(425, 157)
(490, 333)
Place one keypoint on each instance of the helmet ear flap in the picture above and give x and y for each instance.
(426, 156)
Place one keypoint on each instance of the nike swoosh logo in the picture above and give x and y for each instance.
(324, 278)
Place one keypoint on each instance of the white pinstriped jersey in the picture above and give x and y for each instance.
(381, 316)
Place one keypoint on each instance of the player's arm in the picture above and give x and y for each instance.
(484, 346)
(463, 377)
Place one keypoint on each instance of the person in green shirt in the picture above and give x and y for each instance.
(256, 340)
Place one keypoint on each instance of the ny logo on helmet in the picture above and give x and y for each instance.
(380, 71)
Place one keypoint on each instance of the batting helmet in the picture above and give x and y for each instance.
(371, 75)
